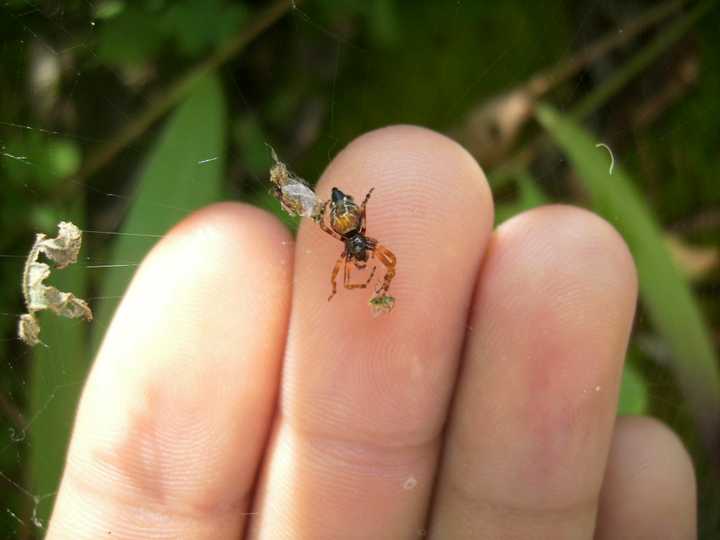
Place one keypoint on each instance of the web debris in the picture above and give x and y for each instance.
(62, 250)
(208, 160)
(379, 305)
(294, 194)
(612, 158)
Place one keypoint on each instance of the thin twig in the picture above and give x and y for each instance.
(166, 100)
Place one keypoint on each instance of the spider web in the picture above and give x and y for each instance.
(309, 84)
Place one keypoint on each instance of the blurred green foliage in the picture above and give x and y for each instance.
(328, 71)
(136, 33)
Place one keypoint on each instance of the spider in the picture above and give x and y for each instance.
(347, 224)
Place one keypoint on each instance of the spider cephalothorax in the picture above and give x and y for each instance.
(347, 224)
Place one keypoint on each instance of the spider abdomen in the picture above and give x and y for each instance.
(345, 222)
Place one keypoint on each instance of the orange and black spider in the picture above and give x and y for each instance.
(347, 224)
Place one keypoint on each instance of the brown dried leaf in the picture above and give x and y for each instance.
(694, 261)
(63, 250)
(493, 127)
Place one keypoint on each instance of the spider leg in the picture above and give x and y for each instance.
(389, 260)
(349, 285)
(334, 274)
(362, 210)
(367, 198)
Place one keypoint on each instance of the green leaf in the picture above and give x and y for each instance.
(197, 25)
(633, 392)
(251, 145)
(109, 9)
(529, 196)
(176, 180)
(63, 158)
(57, 375)
(129, 38)
(530, 193)
(37, 160)
(664, 291)
(383, 22)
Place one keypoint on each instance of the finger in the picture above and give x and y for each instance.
(363, 400)
(176, 412)
(532, 419)
(649, 488)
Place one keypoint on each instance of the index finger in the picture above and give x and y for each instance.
(363, 400)
(175, 414)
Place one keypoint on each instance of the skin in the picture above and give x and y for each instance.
(231, 400)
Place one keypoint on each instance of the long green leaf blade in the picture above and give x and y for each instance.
(633, 392)
(663, 289)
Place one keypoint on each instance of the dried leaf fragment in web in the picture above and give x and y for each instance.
(295, 196)
(379, 305)
(63, 251)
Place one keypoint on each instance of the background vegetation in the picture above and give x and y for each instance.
(124, 116)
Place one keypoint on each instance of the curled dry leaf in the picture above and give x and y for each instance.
(63, 251)
(493, 127)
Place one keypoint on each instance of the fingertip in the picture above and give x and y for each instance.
(649, 489)
(226, 266)
(221, 230)
(198, 269)
(572, 244)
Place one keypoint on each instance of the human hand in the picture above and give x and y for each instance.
(231, 400)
